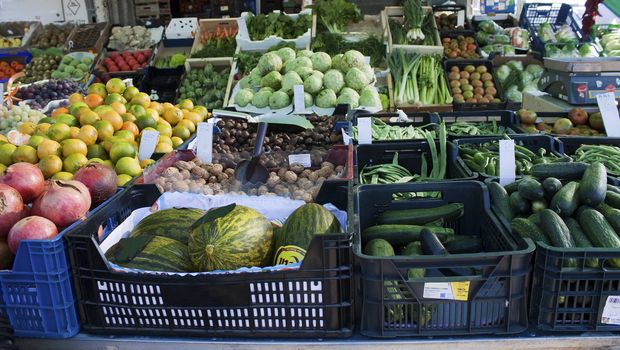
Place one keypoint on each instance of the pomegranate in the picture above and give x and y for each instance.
(62, 202)
(11, 208)
(578, 116)
(26, 178)
(32, 227)
(100, 180)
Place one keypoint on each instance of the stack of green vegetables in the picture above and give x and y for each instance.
(484, 158)
(605, 154)
(476, 128)
(334, 15)
(416, 29)
(382, 131)
(515, 80)
(418, 79)
(263, 26)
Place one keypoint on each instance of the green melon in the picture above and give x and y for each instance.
(172, 223)
(242, 237)
(293, 239)
(160, 254)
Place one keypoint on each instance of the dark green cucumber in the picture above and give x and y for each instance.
(593, 185)
(413, 249)
(527, 229)
(518, 204)
(555, 228)
(580, 238)
(399, 235)
(613, 188)
(561, 170)
(613, 199)
(535, 219)
(422, 216)
(431, 244)
(462, 244)
(378, 247)
(539, 205)
(551, 185)
(500, 200)
(566, 201)
(531, 189)
(436, 223)
(512, 187)
(599, 231)
(611, 214)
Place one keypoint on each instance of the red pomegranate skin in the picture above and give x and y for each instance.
(26, 178)
(62, 202)
(100, 180)
(32, 227)
(11, 209)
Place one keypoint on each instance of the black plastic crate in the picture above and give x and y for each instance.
(557, 14)
(531, 142)
(419, 119)
(497, 293)
(507, 119)
(572, 143)
(409, 156)
(163, 82)
(314, 301)
(455, 9)
(466, 33)
(448, 64)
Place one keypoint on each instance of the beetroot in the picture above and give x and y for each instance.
(100, 180)
(32, 227)
(26, 178)
(62, 202)
(11, 208)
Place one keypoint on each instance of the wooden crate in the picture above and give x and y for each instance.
(219, 63)
(408, 108)
(151, 10)
(210, 24)
(396, 13)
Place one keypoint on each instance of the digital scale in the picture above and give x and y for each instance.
(578, 80)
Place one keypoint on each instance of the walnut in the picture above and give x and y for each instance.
(181, 186)
(230, 172)
(325, 172)
(253, 191)
(170, 171)
(339, 169)
(201, 182)
(207, 190)
(195, 188)
(296, 168)
(307, 197)
(168, 187)
(282, 171)
(305, 173)
(197, 162)
(290, 177)
(217, 168)
(273, 180)
(313, 176)
(185, 174)
(183, 165)
(160, 188)
(212, 179)
(262, 190)
(160, 181)
(222, 176)
(327, 164)
(199, 172)
(306, 185)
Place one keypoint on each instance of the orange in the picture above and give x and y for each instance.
(128, 166)
(93, 100)
(130, 92)
(71, 146)
(74, 108)
(186, 104)
(96, 151)
(74, 132)
(163, 148)
(202, 110)
(88, 117)
(164, 121)
(48, 147)
(188, 124)
(120, 150)
(59, 132)
(88, 134)
(164, 129)
(105, 130)
(153, 113)
(194, 117)
(26, 128)
(107, 144)
(145, 121)
(35, 140)
(115, 85)
(26, 154)
(137, 110)
(128, 117)
(63, 110)
(176, 141)
(118, 107)
(164, 139)
(157, 106)
(62, 175)
(113, 97)
(67, 119)
(98, 89)
(74, 162)
(102, 109)
(125, 134)
(50, 165)
(141, 99)
(75, 97)
(181, 131)
(173, 115)
(131, 127)
(114, 118)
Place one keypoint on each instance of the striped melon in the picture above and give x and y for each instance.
(172, 223)
(242, 237)
(160, 254)
(293, 239)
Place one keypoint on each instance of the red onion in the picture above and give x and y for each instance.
(11, 208)
(26, 178)
(32, 227)
(63, 202)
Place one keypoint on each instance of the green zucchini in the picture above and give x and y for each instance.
(561, 170)
(599, 231)
(580, 238)
(399, 235)
(437, 223)
(555, 228)
(566, 201)
(413, 249)
(500, 200)
(539, 205)
(611, 214)
(421, 216)
(551, 185)
(593, 185)
(431, 244)
(518, 204)
(531, 189)
(527, 229)
(378, 247)
(462, 244)
(613, 188)
(512, 187)
(613, 199)
(535, 219)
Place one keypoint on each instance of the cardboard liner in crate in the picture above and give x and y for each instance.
(245, 43)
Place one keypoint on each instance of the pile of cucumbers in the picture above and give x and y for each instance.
(564, 205)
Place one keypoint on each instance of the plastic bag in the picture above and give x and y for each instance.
(535, 69)
(519, 38)
(500, 39)
(513, 94)
(490, 27)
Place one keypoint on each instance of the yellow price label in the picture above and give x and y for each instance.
(460, 290)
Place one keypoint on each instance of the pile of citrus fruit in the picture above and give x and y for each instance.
(104, 126)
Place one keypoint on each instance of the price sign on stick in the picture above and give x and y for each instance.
(298, 98)
(204, 142)
(364, 133)
(506, 162)
(609, 113)
(148, 141)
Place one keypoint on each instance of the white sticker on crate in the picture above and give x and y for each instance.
(611, 311)
(609, 112)
(446, 290)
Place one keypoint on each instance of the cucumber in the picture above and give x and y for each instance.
(500, 200)
(527, 229)
(431, 244)
(518, 204)
(378, 247)
(613, 199)
(436, 223)
(580, 238)
(566, 201)
(593, 185)
(611, 214)
(413, 249)
(531, 189)
(599, 231)
(512, 187)
(464, 244)
(613, 188)
(399, 235)
(539, 205)
(555, 228)
(551, 185)
(535, 219)
(422, 216)
(561, 170)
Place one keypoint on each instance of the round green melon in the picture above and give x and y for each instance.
(172, 223)
(241, 238)
(160, 254)
(293, 239)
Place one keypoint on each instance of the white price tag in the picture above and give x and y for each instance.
(506, 162)
(303, 159)
(460, 19)
(367, 59)
(298, 98)
(446, 290)
(148, 142)
(204, 142)
(346, 139)
(611, 311)
(609, 112)
(364, 133)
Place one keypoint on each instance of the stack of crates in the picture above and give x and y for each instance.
(147, 9)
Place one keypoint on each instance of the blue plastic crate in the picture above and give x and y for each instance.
(557, 14)
(37, 294)
(22, 57)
